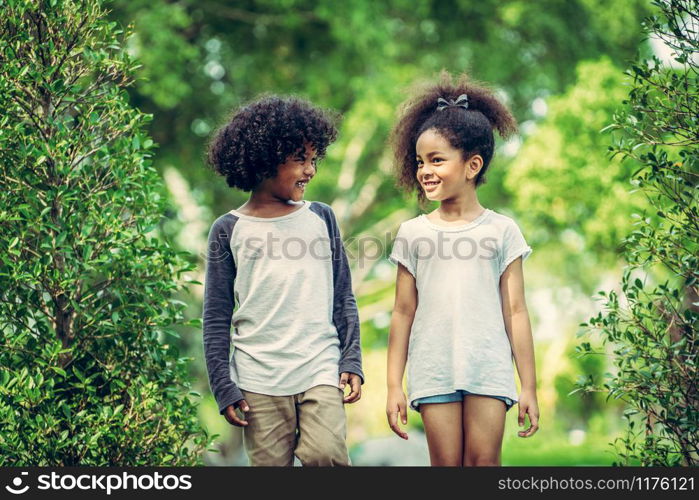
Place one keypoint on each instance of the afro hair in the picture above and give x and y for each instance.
(261, 135)
(467, 129)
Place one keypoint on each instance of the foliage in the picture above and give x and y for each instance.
(653, 326)
(562, 180)
(201, 58)
(86, 376)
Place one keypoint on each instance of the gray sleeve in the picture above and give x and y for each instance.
(345, 314)
(218, 312)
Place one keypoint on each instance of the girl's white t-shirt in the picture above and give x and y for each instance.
(458, 339)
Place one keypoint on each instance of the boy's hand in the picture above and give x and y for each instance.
(397, 405)
(355, 383)
(528, 405)
(231, 415)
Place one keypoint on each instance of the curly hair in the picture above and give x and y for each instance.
(262, 134)
(469, 130)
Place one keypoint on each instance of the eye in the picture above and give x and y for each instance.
(419, 163)
(437, 159)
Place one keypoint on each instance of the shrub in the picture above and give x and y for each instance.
(86, 373)
(652, 326)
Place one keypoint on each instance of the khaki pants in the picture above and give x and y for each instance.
(310, 425)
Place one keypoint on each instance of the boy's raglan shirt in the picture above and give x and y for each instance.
(296, 323)
(345, 314)
(218, 308)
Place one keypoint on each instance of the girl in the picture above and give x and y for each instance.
(460, 312)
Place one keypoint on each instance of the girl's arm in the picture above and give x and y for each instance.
(401, 323)
(516, 316)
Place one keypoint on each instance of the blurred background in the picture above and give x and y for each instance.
(558, 65)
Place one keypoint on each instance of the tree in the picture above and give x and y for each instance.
(564, 185)
(652, 325)
(87, 375)
(201, 58)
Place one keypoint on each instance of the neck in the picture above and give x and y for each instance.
(263, 199)
(265, 203)
(462, 206)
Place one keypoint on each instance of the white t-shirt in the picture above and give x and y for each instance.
(284, 338)
(458, 339)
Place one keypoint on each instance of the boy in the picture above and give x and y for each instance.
(281, 260)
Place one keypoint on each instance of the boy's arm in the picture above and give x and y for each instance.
(218, 311)
(345, 314)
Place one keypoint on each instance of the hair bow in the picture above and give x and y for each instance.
(461, 101)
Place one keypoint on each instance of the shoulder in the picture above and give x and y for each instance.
(503, 222)
(325, 212)
(321, 208)
(410, 226)
(412, 223)
(226, 218)
(500, 218)
(223, 224)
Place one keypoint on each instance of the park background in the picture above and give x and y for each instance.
(562, 69)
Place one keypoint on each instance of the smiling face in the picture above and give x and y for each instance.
(292, 176)
(441, 169)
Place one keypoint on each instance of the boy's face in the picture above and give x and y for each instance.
(293, 175)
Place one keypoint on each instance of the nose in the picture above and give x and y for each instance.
(309, 169)
(425, 171)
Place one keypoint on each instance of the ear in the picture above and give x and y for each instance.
(473, 165)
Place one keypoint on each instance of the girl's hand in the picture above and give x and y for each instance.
(528, 405)
(397, 405)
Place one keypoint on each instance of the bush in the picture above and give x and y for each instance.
(653, 326)
(86, 373)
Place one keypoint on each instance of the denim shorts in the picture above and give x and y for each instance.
(459, 396)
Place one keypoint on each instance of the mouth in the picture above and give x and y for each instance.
(430, 185)
(302, 184)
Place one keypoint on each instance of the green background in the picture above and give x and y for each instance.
(558, 65)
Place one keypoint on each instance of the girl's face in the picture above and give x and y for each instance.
(293, 175)
(441, 169)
